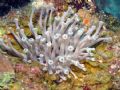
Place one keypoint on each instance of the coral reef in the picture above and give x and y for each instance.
(116, 82)
(114, 67)
(78, 4)
(112, 23)
(64, 41)
(61, 5)
(109, 6)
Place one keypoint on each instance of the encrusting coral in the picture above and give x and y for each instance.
(63, 42)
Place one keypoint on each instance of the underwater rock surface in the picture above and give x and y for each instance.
(109, 6)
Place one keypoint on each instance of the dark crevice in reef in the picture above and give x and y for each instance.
(6, 5)
(17, 3)
(4, 9)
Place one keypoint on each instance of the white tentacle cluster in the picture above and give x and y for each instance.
(63, 42)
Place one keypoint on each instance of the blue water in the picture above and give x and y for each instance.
(109, 6)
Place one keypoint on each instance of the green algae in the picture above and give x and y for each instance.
(98, 77)
(6, 79)
(101, 51)
(2, 31)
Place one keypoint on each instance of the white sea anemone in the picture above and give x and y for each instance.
(63, 42)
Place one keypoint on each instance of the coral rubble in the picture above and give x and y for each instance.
(64, 41)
